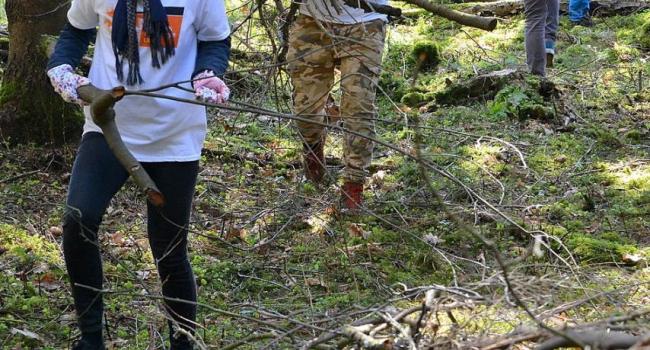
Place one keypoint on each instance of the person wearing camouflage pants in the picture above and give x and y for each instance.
(316, 45)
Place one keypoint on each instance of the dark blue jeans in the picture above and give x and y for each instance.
(96, 177)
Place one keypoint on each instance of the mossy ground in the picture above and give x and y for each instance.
(264, 243)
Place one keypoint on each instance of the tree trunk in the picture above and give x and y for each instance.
(30, 111)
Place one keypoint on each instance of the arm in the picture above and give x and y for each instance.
(71, 46)
(213, 35)
(212, 56)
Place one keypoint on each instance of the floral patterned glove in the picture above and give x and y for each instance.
(209, 88)
(65, 82)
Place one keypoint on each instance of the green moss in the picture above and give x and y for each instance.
(26, 247)
(393, 84)
(413, 99)
(595, 250)
(8, 91)
(426, 54)
(603, 136)
(643, 36)
(633, 135)
(521, 103)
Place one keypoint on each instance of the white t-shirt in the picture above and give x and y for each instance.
(323, 11)
(155, 130)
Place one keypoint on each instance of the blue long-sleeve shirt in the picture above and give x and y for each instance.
(73, 44)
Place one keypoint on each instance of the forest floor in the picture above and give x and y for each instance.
(278, 264)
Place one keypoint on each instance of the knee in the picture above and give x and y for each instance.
(77, 221)
(174, 266)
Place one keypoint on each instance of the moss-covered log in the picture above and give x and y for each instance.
(30, 111)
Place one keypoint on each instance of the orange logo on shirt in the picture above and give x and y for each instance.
(174, 18)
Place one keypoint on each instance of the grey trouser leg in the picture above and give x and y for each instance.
(536, 13)
(552, 20)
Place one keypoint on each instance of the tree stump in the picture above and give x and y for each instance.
(30, 110)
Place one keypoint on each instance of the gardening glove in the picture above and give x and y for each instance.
(66, 82)
(209, 88)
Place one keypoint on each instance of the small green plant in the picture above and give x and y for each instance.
(514, 101)
(393, 84)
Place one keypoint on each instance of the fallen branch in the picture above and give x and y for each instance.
(595, 339)
(507, 8)
(644, 343)
(512, 340)
(19, 176)
(366, 341)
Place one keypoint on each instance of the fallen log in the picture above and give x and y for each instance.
(466, 19)
(605, 8)
(485, 23)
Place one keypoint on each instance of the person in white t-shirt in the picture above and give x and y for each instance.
(141, 45)
(323, 36)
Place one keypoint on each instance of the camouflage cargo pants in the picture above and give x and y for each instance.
(312, 55)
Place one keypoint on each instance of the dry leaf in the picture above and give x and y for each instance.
(235, 234)
(560, 159)
(267, 172)
(356, 230)
(331, 210)
(143, 274)
(314, 282)
(432, 239)
(117, 239)
(631, 259)
(55, 231)
(48, 282)
(25, 333)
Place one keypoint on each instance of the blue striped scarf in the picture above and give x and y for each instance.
(125, 37)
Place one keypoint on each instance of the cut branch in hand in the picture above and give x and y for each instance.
(103, 114)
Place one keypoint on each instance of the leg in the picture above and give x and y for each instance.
(552, 22)
(360, 68)
(536, 12)
(96, 177)
(167, 229)
(550, 33)
(312, 73)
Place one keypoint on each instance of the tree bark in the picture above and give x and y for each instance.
(30, 111)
